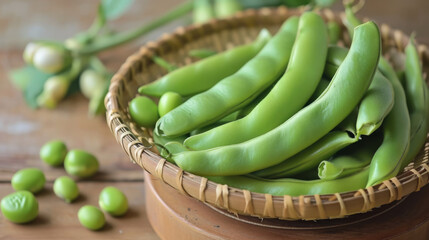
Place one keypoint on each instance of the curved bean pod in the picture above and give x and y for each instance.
(417, 97)
(203, 74)
(350, 160)
(388, 158)
(310, 157)
(295, 187)
(323, 84)
(377, 102)
(334, 31)
(228, 95)
(300, 131)
(288, 95)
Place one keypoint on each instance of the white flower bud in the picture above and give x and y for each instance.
(56, 87)
(49, 59)
(29, 51)
(90, 81)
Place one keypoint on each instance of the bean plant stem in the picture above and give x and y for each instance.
(118, 39)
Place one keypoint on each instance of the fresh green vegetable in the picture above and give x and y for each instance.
(80, 163)
(66, 188)
(295, 187)
(228, 95)
(91, 217)
(417, 101)
(113, 201)
(389, 157)
(377, 102)
(346, 89)
(53, 152)
(334, 31)
(168, 102)
(295, 88)
(144, 111)
(186, 81)
(29, 179)
(349, 160)
(20, 207)
(310, 157)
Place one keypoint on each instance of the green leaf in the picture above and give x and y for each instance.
(21, 77)
(34, 85)
(115, 8)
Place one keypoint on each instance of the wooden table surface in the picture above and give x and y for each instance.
(23, 131)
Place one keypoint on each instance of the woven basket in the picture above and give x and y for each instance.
(220, 35)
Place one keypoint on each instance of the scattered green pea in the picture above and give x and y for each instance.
(144, 111)
(113, 201)
(66, 188)
(30, 179)
(20, 207)
(53, 152)
(91, 217)
(80, 163)
(168, 102)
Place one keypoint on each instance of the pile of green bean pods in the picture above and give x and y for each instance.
(292, 113)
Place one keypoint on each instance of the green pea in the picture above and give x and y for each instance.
(168, 102)
(20, 207)
(66, 188)
(144, 111)
(80, 163)
(91, 217)
(30, 179)
(53, 152)
(113, 201)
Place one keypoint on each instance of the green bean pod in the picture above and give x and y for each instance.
(287, 96)
(295, 187)
(375, 106)
(228, 95)
(388, 159)
(300, 131)
(310, 157)
(323, 84)
(377, 102)
(349, 124)
(202, 75)
(350, 160)
(417, 98)
(161, 141)
(334, 31)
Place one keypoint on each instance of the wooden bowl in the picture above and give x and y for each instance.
(220, 35)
